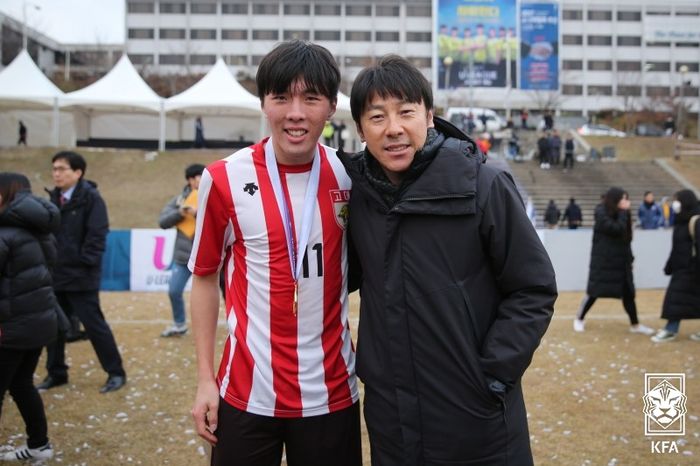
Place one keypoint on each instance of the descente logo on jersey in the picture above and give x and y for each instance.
(340, 198)
(250, 188)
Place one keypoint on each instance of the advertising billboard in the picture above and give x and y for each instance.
(539, 48)
(477, 43)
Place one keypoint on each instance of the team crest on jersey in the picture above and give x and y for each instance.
(340, 198)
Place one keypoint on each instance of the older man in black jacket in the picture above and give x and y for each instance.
(457, 289)
(81, 242)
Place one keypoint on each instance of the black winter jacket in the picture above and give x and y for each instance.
(682, 300)
(610, 270)
(81, 240)
(27, 249)
(456, 293)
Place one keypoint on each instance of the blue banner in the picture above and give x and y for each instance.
(477, 43)
(116, 262)
(539, 32)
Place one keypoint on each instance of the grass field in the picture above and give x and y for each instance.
(583, 391)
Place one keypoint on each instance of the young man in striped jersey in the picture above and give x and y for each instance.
(273, 218)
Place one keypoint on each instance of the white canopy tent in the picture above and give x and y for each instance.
(24, 86)
(218, 93)
(122, 90)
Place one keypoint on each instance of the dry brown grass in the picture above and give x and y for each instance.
(583, 391)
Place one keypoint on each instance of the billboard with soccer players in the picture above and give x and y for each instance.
(477, 43)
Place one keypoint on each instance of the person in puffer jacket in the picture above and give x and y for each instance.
(27, 304)
(180, 213)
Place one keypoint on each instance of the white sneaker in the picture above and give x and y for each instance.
(174, 331)
(695, 336)
(578, 325)
(25, 453)
(643, 329)
(663, 335)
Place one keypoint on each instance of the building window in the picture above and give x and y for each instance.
(629, 41)
(629, 65)
(599, 65)
(413, 36)
(629, 15)
(687, 44)
(572, 89)
(420, 62)
(173, 8)
(358, 10)
(572, 64)
(659, 12)
(599, 40)
(570, 39)
(386, 36)
(358, 36)
(171, 59)
(171, 33)
(140, 33)
(687, 12)
(692, 66)
(658, 44)
(629, 90)
(572, 15)
(202, 59)
(234, 8)
(327, 10)
(599, 15)
(203, 9)
(358, 61)
(234, 34)
(302, 9)
(599, 90)
(140, 7)
(659, 66)
(236, 60)
(266, 34)
(256, 59)
(326, 35)
(386, 10)
(266, 8)
(419, 11)
(141, 59)
(301, 35)
(658, 91)
(203, 34)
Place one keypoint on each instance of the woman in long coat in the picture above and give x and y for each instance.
(610, 273)
(682, 300)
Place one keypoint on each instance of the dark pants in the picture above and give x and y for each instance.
(627, 301)
(569, 160)
(85, 305)
(253, 440)
(16, 374)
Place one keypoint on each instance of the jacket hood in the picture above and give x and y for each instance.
(31, 213)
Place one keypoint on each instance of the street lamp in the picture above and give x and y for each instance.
(447, 61)
(24, 21)
(683, 70)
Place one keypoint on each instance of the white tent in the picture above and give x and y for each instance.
(218, 93)
(23, 85)
(122, 90)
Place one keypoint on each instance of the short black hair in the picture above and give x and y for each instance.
(646, 193)
(10, 184)
(392, 76)
(75, 160)
(298, 60)
(196, 169)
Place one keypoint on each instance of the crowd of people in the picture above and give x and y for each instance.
(448, 327)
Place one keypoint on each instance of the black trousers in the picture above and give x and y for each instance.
(253, 440)
(85, 305)
(627, 302)
(16, 375)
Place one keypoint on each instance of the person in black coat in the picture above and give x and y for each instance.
(682, 300)
(81, 240)
(27, 304)
(552, 215)
(610, 272)
(456, 287)
(572, 215)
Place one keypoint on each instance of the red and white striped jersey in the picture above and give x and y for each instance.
(276, 363)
